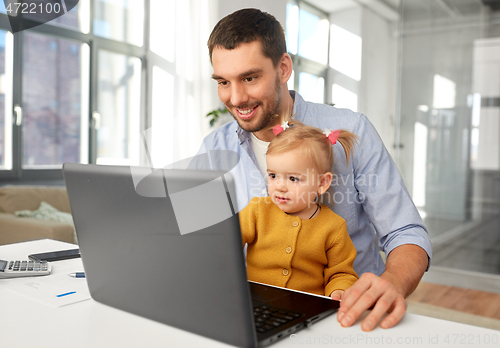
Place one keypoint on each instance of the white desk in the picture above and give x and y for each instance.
(28, 323)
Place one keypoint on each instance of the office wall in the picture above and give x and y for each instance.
(378, 89)
(275, 7)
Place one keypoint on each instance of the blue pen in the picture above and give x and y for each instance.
(66, 294)
(77, 275)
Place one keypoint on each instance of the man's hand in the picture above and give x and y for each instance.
(385, 294)
(371, 290)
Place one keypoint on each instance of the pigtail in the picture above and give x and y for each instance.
(348, 140)
(294, 122)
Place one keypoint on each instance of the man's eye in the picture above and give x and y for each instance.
(222, 83)
(249, 79)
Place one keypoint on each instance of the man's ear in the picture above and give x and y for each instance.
(285, 67)
(325, 180)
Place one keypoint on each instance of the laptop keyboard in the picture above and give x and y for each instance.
(268, 318)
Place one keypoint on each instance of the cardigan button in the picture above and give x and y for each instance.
(286, 272)
(288, 250)
(295, 224)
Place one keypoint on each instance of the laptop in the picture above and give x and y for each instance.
(166, 245)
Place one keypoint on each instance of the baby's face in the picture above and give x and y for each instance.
(293, 183)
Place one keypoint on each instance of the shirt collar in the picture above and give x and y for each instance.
(299, 106)
(243, 135)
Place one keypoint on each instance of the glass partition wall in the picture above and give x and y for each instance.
(449, 131)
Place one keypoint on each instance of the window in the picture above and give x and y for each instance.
(162, 136)
(120, 20)
(53, 108)
(45, 75)
(307, 32)
(345, 67)
(6, 66)
(163, 16)
(108, 82)
(313, 37)
(342, 40)
(312, 87)
(76, 13)
(326, 57)
(119, 93)
(344, 98)
(45, 101)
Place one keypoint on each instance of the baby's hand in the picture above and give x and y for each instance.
(337, 295)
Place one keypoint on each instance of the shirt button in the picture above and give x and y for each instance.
(295, 224)
(264, 191)
(285, 272)
(288, 250)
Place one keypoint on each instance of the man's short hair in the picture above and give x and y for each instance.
(248, 25)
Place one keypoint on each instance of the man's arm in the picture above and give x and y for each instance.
(405, 267)
(401, 234)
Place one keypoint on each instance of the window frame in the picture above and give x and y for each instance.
(95, 43)
(302, 64)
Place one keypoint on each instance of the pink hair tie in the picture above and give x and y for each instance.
(280, 128)
(333, 136)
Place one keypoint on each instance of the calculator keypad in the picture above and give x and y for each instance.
(26, 268)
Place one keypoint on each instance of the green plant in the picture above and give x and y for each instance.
(215, 114)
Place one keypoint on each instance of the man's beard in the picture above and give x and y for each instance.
(268, 114)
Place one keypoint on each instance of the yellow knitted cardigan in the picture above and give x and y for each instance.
(313, 255)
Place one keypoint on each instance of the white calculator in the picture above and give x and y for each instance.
(24, 268)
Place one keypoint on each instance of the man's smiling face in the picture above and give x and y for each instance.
(248, 84)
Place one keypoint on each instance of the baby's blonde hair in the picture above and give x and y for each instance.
(313, 143)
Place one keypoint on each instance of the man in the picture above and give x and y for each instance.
(248, 54)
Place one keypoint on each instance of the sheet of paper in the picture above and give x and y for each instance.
(46, 289)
